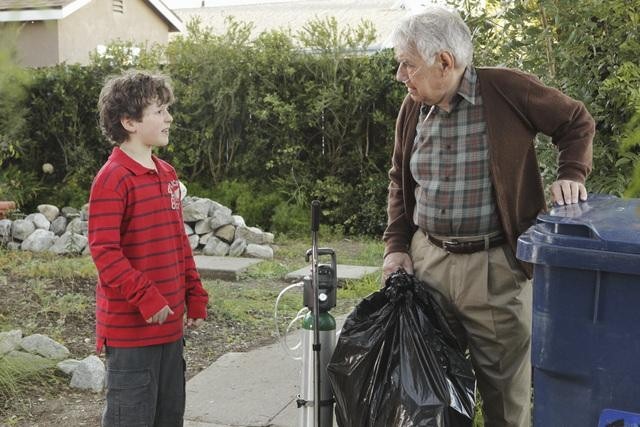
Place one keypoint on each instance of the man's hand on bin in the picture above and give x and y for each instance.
(566, 192)
(394, 262)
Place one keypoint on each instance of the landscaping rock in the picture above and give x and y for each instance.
(44, 346)
(39, 220)
(59, 225)
(226, 233)
(195, 209)
(188, 229)
(204, 239)
(78, 226)
(183, 190)
(70, 212)
(238, 221)
(68, 366)
(268, 238)
(10, 341)
(69, 243)
(21, 228)
(250, 234)
(13, 246)
(203, 227)
(89, 374)
(5, 229)
(217, 207)
(211, 227)
(237, 247)
(220, 218)
(84, 212)
(38, 241)
(259, 251)
(216, 247)
(194, 241)
(51, 212)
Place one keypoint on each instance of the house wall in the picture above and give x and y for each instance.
(97, 24)
(37, 42)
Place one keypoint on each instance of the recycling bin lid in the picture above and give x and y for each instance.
(600, 233)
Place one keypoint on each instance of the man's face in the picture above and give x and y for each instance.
(153, 128)
(425, 83)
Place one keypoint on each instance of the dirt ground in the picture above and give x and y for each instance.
(52, 402)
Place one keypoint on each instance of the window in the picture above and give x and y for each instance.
(118, 6)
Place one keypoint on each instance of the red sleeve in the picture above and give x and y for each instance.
(106, 210)
(196, 296)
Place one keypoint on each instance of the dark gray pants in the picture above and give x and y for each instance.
(145, 386)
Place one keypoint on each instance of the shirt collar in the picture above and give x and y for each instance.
(119, 156)
(468, 85)
(468, 90)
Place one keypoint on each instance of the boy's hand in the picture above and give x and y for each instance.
(161, 315)
(194, 323)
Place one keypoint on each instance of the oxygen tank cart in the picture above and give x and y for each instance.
(315, 401)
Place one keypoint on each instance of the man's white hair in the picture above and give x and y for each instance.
(434, 30)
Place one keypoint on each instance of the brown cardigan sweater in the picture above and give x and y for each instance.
(517, 106)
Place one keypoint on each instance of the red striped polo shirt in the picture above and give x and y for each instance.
(142, 254)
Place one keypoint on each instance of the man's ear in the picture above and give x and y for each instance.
(446, 60)
(128, 123)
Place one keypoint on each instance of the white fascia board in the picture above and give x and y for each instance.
(169, 15)
(74, 6)
(52, 14)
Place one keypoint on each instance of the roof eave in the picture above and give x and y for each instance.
(175, 23)
(49, 14)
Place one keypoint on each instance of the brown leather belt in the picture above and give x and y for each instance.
(467, 247)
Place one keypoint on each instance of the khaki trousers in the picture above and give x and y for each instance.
(487, 299)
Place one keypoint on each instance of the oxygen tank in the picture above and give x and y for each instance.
(327, 331)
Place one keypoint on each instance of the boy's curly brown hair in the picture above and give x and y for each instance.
(127, 95)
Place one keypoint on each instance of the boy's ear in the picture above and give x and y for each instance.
(128, 123)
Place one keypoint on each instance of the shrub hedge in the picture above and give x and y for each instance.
(267, 125)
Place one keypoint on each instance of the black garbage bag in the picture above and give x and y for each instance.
(397, 362)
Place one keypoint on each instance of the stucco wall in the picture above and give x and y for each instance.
(37, 43)
(97, 24)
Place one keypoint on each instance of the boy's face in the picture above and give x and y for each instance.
(153, 129)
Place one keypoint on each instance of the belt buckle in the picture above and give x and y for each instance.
(446, 244)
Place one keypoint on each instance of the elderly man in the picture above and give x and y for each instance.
(465, 183)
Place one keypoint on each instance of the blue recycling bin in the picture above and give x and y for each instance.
(586, 310)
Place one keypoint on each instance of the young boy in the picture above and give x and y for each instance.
(146, 273)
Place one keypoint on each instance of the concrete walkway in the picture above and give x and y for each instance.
(253, 389)
(343, 271)
(223, 267)
(230, 268)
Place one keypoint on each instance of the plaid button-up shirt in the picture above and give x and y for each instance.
(450, 163)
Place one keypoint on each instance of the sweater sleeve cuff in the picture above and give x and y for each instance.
(151, 303)
(572, 174)
(395, 248)
(196, 310)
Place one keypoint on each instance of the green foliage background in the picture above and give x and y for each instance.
(265, 125)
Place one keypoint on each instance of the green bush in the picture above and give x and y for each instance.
(228, 192)
(19, 186)
(296, 117)
(587, 49)
(257, 209)
(292, 220)
(366, 211)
